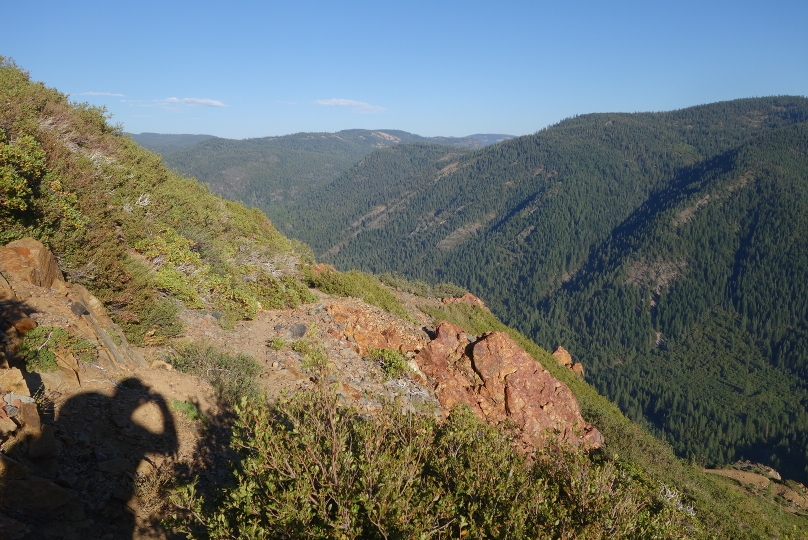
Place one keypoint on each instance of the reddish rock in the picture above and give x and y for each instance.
(468, 299)
(28, 260)
(28, 417)
(578, 368)
(499, 381)
(368, 332)
(564, 358)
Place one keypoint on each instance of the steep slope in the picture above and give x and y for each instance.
(101, 440)
(140, 238)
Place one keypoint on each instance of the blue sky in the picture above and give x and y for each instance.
(252, 69)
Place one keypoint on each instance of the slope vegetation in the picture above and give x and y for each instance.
(144, 240)
(149, 242)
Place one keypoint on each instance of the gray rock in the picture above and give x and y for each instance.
(11, 398)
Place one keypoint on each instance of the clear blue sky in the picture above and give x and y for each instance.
(251, 69)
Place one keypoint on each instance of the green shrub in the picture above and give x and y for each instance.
(422, 288)
(357, 285)
(40, 347)
(190, 410)
(312, 469)
(313, 352)
(276, 344)
(393, 362)
(233, 376)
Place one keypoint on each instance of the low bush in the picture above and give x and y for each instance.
(393, 362)
(233, 376)
(357, 285)
(41, 346)
(312, 469)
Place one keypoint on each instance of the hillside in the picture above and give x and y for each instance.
(270, 172)
(172, 366)
(543, 227)
(161, 143)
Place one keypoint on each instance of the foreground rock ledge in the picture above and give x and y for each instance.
(499, 381)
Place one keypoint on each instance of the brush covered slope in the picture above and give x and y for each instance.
(660, 249)
(144, 240)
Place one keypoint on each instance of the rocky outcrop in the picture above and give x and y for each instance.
(468, 299)
(565, 359)
(33, 292)
(365, 330)
(499, 381)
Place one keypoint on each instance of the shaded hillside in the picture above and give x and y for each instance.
(531, 221)
(271, 172)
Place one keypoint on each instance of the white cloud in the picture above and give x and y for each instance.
(101, 94)
(196, 102)
(358, 106)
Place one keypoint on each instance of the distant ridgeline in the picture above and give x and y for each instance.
(667, 251)
(269, 172)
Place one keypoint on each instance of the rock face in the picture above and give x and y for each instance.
(499, 381)
(33, 292)
(564, 358)
(29, 261)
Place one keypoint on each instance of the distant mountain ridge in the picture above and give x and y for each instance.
(267, 172)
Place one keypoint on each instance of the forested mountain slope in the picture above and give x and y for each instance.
(531, 225)
(161, 143)
(271, 172)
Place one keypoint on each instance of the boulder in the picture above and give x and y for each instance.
(499, 381)
(29, 261)
(28, 417)
(11, 380)
(564, 358)
(7, 426)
